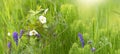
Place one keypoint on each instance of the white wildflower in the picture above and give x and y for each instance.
(8, 33)
(33, 32)
(42, 19)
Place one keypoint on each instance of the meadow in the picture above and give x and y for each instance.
(59, 26)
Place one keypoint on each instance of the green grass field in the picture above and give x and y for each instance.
(97, 21)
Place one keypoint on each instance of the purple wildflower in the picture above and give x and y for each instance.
(21, 33)
(81, 39)
(15, 37)
(93, 49)
(9, 45)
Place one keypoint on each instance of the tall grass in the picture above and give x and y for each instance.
(65, 19)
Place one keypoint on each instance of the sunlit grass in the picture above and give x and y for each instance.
(96, 20)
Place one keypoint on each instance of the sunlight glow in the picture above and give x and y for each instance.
(91, 2)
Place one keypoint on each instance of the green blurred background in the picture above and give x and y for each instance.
(96, 20)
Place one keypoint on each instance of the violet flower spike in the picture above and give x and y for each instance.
(9, 45)
(21, 33)
(93, 49)
(15, 37)
(81, 39)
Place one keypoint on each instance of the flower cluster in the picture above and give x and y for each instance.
(83, 43)
(16, 36)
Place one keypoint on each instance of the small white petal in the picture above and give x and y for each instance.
(30, 33)
(8, 34)
(42, 19)
(46, 11)
(33, 32)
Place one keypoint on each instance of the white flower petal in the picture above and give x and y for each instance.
(42, 19)
(8, 33)
(33, 32)
(46, 11)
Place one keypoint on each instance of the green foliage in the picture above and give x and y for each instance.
(75, 49)
(65, 19)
